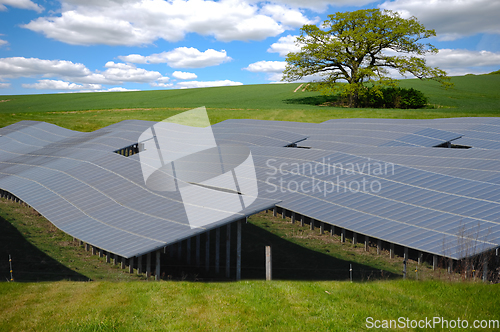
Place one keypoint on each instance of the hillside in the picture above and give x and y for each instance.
(471, 96)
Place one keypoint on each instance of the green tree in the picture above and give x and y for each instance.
(359, 47)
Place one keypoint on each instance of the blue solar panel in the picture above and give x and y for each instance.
(428, 196)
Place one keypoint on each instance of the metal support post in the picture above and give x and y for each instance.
(157, 272)
(238, 251)
(228, 249)
(207, 251)
(217, 250)
(269, 262)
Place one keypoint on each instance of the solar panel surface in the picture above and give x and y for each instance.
(382, 178)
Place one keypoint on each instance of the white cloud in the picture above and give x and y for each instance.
(137, 58)
(114, 89)
(287, 16)
(452, 19)
(117, 89)
(144, 21)
(184, 75)
(3, 42)
(456, 62)
(4, 85)
(460, 62)
(60, 85)
(120, 72)
(182, 57)
(320, 5)
(23, 4)
(190, 57)
(266, 67)
(22, 67)
(115, 73)
(162, 85)
(284, 45)
(273, 69)
(163, 79)
(458, 58)
(198, 84)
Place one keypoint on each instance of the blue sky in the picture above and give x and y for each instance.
(49, 46)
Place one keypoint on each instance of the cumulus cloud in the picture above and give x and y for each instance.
(74, 75)
(162, 85)
(184, 75)
(117, 89)
(206, 84)
(272, 69)
(3, 42)
(190, 57)
(114, 89)
(20, 66)
(60, 85)
(461, 62)
(144, 21)
(181, 57)
(457, 62)
(463, 58)
(4, 85)
(284, 45)
(451, 19)
(121, 72)
(266, 67)
(289, 17)
(319, 5)
(23, 4)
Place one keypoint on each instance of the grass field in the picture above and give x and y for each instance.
(237, 306)
(312, 293)
(471, 96)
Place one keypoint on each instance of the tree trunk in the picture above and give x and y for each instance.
(353, 99)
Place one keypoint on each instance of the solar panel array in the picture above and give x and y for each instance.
(436, 200)
(382, 178)
(78, 183)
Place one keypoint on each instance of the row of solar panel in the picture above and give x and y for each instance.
(426, 211)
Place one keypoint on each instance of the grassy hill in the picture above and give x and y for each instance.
(471, 96)
(312, 293)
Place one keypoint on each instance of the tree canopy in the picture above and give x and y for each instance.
(360, 47)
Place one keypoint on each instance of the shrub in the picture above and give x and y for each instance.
(392, 98)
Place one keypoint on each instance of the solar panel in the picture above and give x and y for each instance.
(424, 198)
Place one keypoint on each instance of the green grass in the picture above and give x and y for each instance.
(238, 306)
(472, 96)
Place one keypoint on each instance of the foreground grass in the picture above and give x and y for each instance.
(239, 306)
